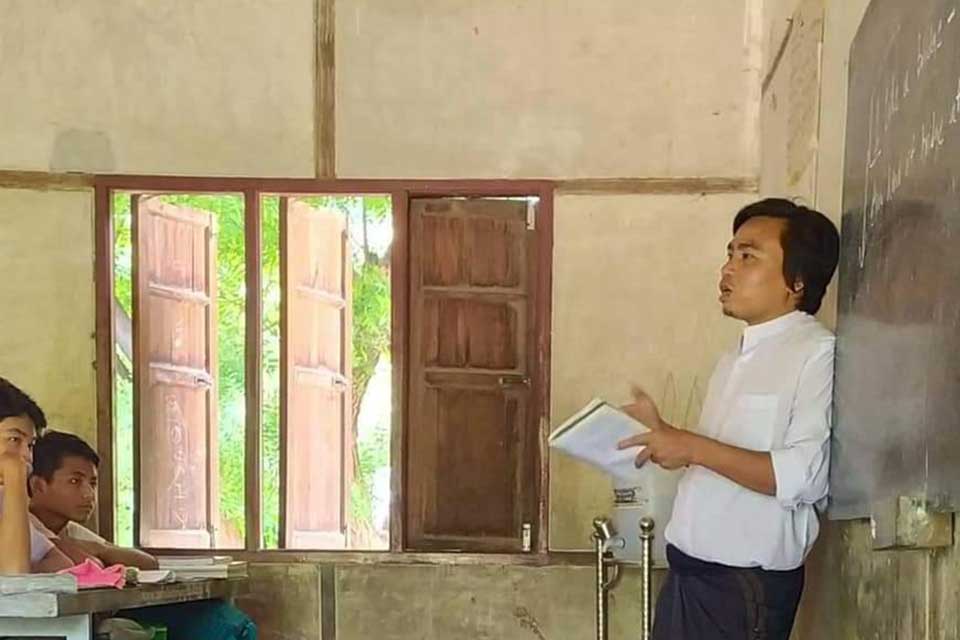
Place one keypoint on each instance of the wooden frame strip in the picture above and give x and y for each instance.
(312, 186)
(541, 374)
(399, 344)
(429, 558)
(104, 364)
(138, 280)
(284, 374)
(253, 378)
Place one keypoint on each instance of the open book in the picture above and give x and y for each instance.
(591, 435)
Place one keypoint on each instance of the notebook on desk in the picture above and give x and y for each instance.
(202, 567)
(192, 561)
(155, 576)
(591, 435)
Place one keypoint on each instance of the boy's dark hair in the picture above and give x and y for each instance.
(14, 403)
(51, 448)
(811, 246)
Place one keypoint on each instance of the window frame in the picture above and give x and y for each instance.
(252, 189)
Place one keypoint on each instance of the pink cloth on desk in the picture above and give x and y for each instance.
(90, 576)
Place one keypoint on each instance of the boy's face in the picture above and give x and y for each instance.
(18, 433)
(72, 491)
(752, 287)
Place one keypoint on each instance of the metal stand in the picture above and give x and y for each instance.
(603, 538)
(646, 539)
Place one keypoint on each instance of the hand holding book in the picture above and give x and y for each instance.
(591, 435)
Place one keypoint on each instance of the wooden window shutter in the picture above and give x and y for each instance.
(176, 371)
(316, 433)
(472, 444)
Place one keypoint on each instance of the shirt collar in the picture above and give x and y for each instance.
(754, 335)
(37, 524)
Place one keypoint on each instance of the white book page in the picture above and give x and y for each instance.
(592, 437)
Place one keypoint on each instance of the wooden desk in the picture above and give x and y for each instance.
(70, 615)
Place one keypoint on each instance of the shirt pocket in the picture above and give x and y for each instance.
(754, 420)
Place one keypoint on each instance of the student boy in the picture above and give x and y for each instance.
(63, 495)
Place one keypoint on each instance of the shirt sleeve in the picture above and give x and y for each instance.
(40, 544)
(801, 466)
(77, 531)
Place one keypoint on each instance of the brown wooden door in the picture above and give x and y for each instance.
(472, 445)
(315, 377)
(175, 371)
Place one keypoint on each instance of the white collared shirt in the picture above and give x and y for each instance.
(72, 530)
(774, 393)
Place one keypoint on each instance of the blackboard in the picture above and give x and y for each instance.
(897, 409)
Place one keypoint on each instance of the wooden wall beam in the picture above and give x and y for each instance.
(657, 186)
(325, 169)
(43, 181)
(324, 121)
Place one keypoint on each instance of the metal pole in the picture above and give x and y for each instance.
(646, 538)
(602, 534)
(601, 604)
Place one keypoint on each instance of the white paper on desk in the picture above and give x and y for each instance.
(591, 435)
(156, 576)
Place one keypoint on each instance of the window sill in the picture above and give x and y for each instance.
(397, 558)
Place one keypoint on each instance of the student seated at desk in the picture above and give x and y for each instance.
(63, 494)
(23, 548)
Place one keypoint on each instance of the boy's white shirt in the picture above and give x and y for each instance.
(72, 530)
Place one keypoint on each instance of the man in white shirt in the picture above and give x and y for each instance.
(744, 518)
(63, 495)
